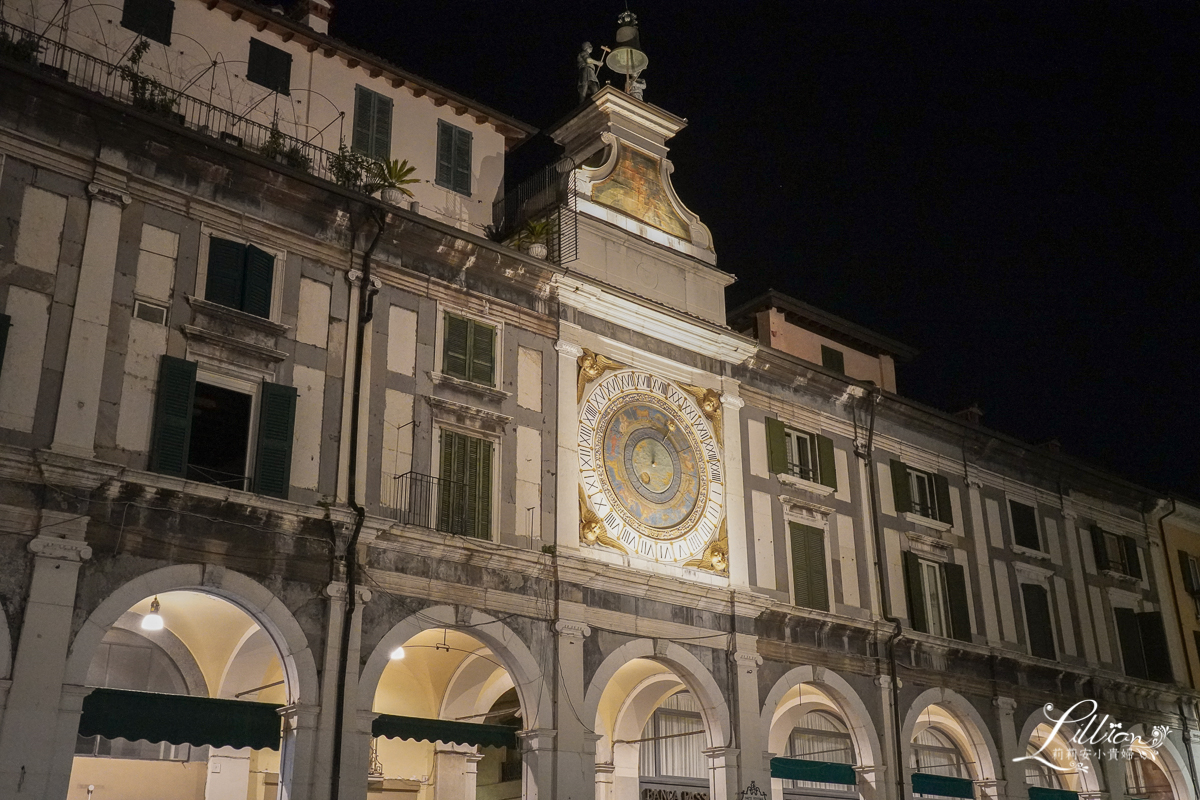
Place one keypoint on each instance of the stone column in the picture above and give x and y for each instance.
(870, 781)
(354, 277)
(567, 532)
(79, 400)
(1009, 748)
(887, 790)
(576, 773)
(297, 751)
(537, 763)
(35, 755)
(604, 781)
(735, 503)
(356, 724)
(326, 719)
(722, 772)
(750, 735)
(454, 769)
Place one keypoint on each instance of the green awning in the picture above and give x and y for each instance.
(942, 785)
(797, 769)
(180, 719)
(444, 730)
(1038, 793)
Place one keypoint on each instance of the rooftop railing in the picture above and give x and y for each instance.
(427, 501)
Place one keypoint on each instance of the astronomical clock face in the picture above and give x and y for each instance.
(650, 467)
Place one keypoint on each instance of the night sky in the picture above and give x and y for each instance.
(1009, 187)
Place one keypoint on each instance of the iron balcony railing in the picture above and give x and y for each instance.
(21, 45)
(426, 501)
(547, 194)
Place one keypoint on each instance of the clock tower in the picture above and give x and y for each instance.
(647, 409)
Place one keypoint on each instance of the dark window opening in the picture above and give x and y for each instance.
(239, 276)
(269, 67)
(220, 436)
(150, 18)
(1025, 527)
(833, 359)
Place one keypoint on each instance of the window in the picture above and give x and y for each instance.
(1143, 642)
(468, 350)
(1025, 527)
(239, 276)
(466, 475)
(202, 431)
(150, 18)
(800, 454)
(934, 752)
(1115, 552)
(372, 124)
(808, 567)
(1039, 626)
(453, 158)
(923, 493)
(833, 359)
(668, 754)
(1189, 566)
(1145, 779)
(269, 67)
(820, 736)
(937, 597)
(5, 324)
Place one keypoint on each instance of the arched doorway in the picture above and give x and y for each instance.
(448, 713)
(186, 688)
(1048, 766)
(661, 722)
(814, 747)
(947, 748)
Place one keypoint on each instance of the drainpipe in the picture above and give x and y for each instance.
(366, 310)
(1162, 532)
(874, 398)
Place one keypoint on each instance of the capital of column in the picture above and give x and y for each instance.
(568, 349)
(733, 401)
(537, 739)
(744, 659)
(108, 194)
(355, 276)
(59, 549)
(1007, 705)
(366, 720)
(571, 629)
(336, 591)
(299, 716)
(589, 742)
(73, 696)
(605, 769)
(721, 756)
(869, 769)
(885, 681)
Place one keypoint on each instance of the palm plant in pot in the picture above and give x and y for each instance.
(391, 179)
(535, 235)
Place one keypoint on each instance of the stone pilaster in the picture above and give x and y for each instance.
(1010, 748)
(722, 771)
(567, 531)
(576, 773)
(745, 665)
(297, 751)
(537, 760)
(735, 502)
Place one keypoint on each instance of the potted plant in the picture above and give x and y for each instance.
(535, 236)
(391, 179)
(24, 50)
(348, 168)
(146, 92)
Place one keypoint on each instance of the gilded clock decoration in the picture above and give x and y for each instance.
(650, 466)
(592, 366)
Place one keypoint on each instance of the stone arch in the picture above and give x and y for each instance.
(1089, 779)
(1171, 761)
(5, 646)
(513, 653)
(867, 748)
(979, 739)
(300, 669)
(694, 675)
(175, 649)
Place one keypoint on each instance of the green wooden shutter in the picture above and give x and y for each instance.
(941, 489)
(483, 491)
(956, 599)
(777, 456)
(1130, 635)
(256, 290)
(1037, 620)
(901, 493)
(173, 416)
(462, 161)
(1154, 645)
(1134, 564)
(827, 470)
(1099, 551)
(447, 493)
(5, 324)
(833, 359)
(226, 269)
(273, 456)
(150, 18)
(269, 67)
(1025, 529)
(800, 571)
(445, 155)
(915, 590)
(455, 344)
(364, 118)
(1184, 558)
(381, 135)
(483, 354)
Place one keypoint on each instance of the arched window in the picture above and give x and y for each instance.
(1040, 775)
(820, 736)
(125, 660)
(934, 752)
(673, 740)
(1145, 780)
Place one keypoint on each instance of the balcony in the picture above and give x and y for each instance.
(123, 83)
(426, 501)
